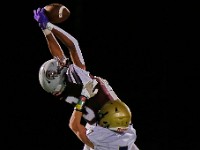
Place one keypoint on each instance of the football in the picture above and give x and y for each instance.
(56, 12)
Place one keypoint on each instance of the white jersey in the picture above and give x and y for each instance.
(105, 139)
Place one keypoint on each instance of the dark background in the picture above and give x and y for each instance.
(153, 45)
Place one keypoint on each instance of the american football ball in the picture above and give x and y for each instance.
(56, 12)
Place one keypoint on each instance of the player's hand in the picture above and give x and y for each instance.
(40, 17)
(89, 90)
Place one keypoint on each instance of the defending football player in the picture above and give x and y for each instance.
(113, 129)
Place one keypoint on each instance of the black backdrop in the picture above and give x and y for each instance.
(155, 44)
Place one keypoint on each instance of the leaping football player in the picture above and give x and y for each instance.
(67, 77)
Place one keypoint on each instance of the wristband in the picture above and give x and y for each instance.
(49, 26)
(77, 109)
(46, 32)
(80, 104)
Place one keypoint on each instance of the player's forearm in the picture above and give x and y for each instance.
(66, 38)
(70, 42)
(54, 47)
(75, 121)
(78, 128)
(73, 46)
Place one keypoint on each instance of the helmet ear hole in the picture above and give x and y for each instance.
(116, 109)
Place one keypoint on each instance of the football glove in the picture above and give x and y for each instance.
(89, 89)
(40, 17)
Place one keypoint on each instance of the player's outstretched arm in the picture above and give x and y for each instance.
(71, 43)
(53, 45)
(55, 49)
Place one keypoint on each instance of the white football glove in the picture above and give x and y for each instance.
(89, 89)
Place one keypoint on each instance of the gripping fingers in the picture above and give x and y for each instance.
(38, 10)
(94, 83)
(89, 89)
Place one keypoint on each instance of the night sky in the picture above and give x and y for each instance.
(147, 51)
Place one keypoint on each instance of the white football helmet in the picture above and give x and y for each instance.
(52, 76)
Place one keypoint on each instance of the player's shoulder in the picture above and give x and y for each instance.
(101, 79)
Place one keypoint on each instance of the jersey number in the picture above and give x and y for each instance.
(90, 115)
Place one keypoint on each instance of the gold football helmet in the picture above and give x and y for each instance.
(115, 115)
